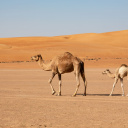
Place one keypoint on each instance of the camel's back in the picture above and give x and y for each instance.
(67, 57)
(67, 54)
(124, 65)
(63, 57)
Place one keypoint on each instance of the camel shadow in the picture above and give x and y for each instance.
(104, 94)
(101, 94)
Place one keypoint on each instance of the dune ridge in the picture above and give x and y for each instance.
(87, 45)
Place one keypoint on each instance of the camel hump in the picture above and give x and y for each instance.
(124, 65)
(68, 54)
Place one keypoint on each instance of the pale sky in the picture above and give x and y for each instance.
(22, 18)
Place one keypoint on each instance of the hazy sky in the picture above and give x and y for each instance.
(20, 18)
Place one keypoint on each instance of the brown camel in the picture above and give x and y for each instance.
(61, 64)
(120, 73)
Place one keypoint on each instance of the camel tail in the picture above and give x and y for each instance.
(83, 76)
(82, 71)
(82, 68)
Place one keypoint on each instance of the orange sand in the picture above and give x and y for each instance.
(110, 45)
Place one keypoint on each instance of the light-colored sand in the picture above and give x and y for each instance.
(25, 95)
(26, 101)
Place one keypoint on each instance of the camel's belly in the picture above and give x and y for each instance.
(65, 68)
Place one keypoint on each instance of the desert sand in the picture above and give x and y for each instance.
(25, 95)
(110, 45)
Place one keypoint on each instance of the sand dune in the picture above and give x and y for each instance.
(89, 45)
(3, 46)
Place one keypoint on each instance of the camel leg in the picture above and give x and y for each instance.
(50, 82)
(116, 80)
(59, 77)
(78, 83)
(85, 83)
(127, 79)
(121, 81)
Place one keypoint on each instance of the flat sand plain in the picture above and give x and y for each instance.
(26, 100)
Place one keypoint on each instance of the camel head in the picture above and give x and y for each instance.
(106, 71)
(36, 58)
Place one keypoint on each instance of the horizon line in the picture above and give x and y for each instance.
(64, 35)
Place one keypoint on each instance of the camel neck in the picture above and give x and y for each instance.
(46, 67)
(111, 75)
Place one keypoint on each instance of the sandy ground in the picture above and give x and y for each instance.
(26, 100)
(25, 95)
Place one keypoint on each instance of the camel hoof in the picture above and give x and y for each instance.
(53, 92)
(84, 94)
(59, 94)
(73, 95)
(110, 95)
(123, 95)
